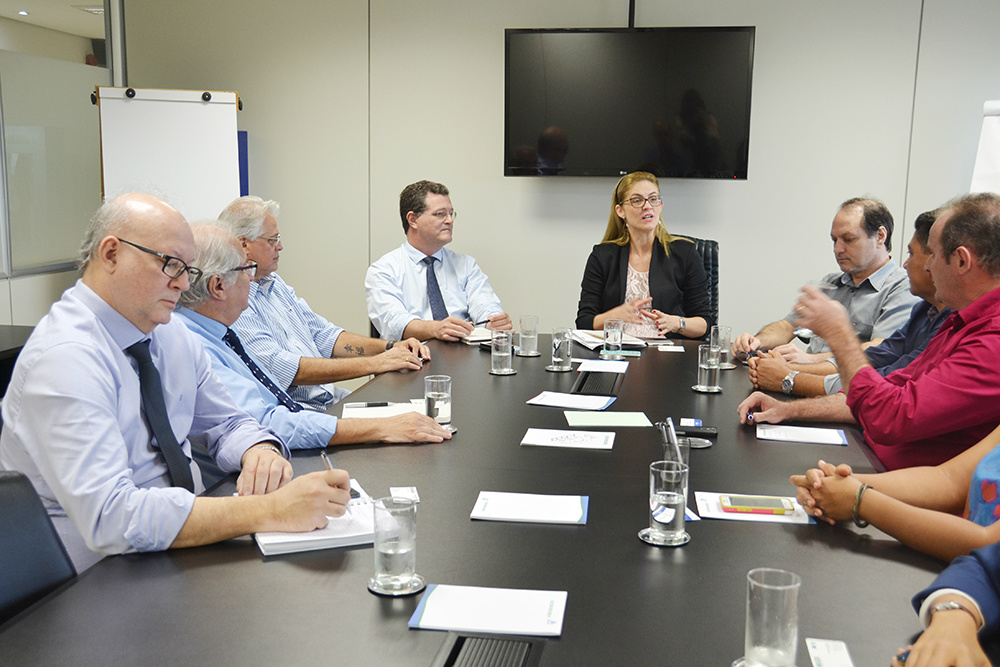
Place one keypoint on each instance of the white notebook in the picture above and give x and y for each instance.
(356, 527)
(508, 611)
(530, 508)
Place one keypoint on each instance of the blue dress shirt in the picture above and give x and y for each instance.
(73, 424)
(301, 430)
(278, 329)
(396, 289)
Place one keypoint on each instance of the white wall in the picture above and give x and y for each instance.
(345, 104)
(26, 38)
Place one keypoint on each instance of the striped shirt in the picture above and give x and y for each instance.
(278, 329)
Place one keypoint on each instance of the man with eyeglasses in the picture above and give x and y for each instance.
(303, 352)
(209, 309)
(422, 289)
(110, 391)
(873, 289)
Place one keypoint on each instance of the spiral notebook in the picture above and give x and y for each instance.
(355, 527)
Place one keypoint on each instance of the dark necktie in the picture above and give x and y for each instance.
(438, 311)
(233, 341)
(178, 464)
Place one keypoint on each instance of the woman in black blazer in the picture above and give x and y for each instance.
(641, 274)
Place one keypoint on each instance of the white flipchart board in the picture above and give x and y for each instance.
(986, 173)
(173, 141)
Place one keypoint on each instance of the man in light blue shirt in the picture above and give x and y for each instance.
(304, 353)
(421, 288)
(74, 422)
(212, 305)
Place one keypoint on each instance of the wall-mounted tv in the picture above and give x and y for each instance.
(604, 102)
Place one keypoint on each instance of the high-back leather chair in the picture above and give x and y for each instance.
(709, 251)
(33, 560)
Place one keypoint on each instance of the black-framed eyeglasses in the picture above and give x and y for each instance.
(638, 201)
(251, 268)
(174, 267)
(273, 241)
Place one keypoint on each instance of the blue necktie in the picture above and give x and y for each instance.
(438, 311)
(178, 464)
(233, 341)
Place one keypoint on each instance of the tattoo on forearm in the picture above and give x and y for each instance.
(348, 349)
(361, 351)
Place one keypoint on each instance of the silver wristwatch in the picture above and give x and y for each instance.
(788, 384)
(683, 325)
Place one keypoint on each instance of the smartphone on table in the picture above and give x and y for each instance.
(756, 504)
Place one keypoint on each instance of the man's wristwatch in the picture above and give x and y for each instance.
(788, 384)
(949, 606)
(389, 344)
(683, 325)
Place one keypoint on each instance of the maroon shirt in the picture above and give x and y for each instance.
(945, 401)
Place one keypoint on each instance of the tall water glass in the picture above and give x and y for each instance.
(562, 350)
(722, 338)
(613, 339)
(772, 629)
(708, 370)
(528, 338)
(395, 548)
(500, 353)
(437, 398)
(667, 501)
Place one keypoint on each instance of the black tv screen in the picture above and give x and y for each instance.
(605, 102)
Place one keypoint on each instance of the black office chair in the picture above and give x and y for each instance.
(709, 251)
(33, 560)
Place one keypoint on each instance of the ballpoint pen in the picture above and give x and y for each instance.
(329, 466)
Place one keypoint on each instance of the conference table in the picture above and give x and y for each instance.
(629, 603)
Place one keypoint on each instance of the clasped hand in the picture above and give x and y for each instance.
(827, 492)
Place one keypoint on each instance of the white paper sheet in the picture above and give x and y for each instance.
(359, 411)
(592, 339)
(556, 399)
(807, 434)
(709, 507)
(603, 366)
(547, 437)
(530, 508)
(607, 419)
(508, 611)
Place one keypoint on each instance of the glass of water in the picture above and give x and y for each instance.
(667, 501)
(722, 338)
(708, 370)
(562, 351)
(437, 397)
(395, 548)
(528, 338)
(500, 353)
(827, 287)
(613, 339)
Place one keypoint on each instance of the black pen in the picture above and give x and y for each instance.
(329, 466)
(369, 404)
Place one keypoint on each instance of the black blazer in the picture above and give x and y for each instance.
(678, 284)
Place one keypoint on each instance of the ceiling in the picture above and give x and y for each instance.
(62, 15)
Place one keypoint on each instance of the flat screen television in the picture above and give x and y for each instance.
(605, 102)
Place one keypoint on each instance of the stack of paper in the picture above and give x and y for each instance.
(807, 434)
(478, 335)
(508, 611)
(547, 437)
(592, 340)
(357, 526)
(530, 508)
(556, 399)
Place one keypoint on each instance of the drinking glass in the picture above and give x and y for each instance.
(772, 627)
(562, 350)
(802, 333)
(528, 338)
(395, 548)
(437, 397)
(500, 353)
(722, 338)
(708, 370)
(613, 339)
(667, 501)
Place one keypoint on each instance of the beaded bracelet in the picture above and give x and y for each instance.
(858, 521)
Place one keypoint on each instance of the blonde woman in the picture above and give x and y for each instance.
(641, 274)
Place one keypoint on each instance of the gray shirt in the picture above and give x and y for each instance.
(877, 307)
